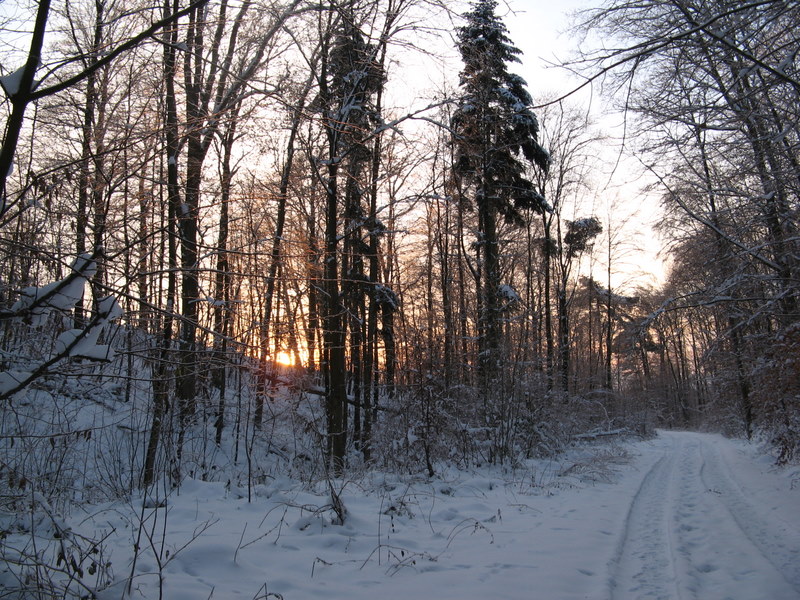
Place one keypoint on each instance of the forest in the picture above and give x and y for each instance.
(248, 237)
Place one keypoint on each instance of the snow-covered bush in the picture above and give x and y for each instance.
(776, 396)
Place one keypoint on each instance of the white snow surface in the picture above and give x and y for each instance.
(11, 82)
(59, 295)
(683, 516)
(11, 379)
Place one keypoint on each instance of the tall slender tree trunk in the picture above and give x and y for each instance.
(609, 322)
(172, 205)
(548, 308)
(222, 278)
(87, 134)
(490, 334)
(334, 337)
(187, 214)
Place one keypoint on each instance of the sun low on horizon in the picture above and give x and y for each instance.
(285, 358)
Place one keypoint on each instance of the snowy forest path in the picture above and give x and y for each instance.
(697, 527)
(679, 516)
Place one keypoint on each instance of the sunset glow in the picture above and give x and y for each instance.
(284, 358)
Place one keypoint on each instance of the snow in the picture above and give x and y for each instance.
(694, 530)
(109, 308)
(214, 302)
(509, 294)
(62, 295)
(59, 295)
(76, 340)
(84, 345)
(11, 379)
(685, 515)
(614, 298)
(11, 82)
(386, 296)
(585, 223)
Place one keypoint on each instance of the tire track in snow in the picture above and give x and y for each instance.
(691, 533)
(643, 565)
(777, 543)
(714, 530)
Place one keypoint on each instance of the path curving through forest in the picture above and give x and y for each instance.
(699, 527)
(681, 516)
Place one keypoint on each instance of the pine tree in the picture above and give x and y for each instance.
(496, 133)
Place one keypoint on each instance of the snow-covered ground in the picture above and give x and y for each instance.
(685, 515)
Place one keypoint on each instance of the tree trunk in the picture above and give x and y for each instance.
(19, 101)
(333, 328)
(222, 280)
(548, 308)
(490, 334)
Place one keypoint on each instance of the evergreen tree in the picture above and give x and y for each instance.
(496, 133)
